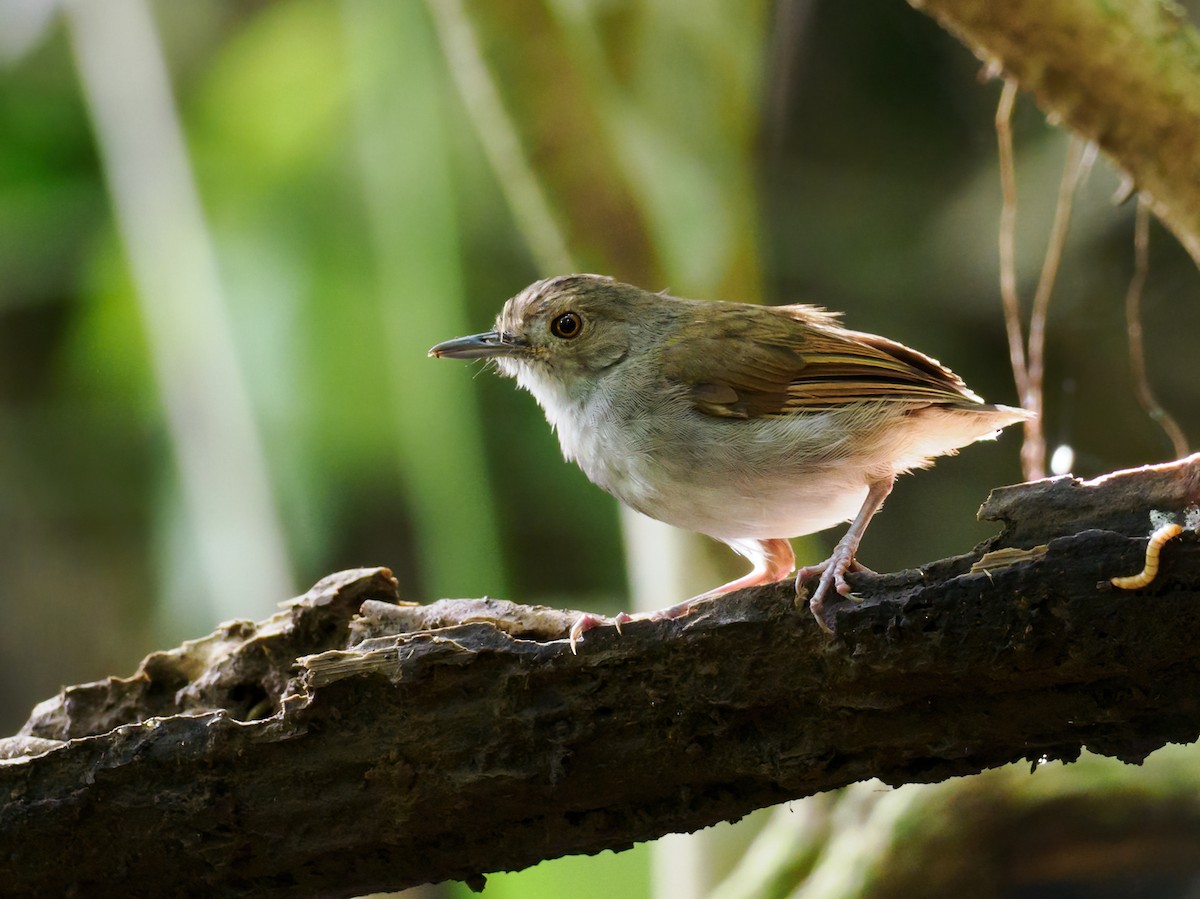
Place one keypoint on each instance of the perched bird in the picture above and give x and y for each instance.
(748, 423)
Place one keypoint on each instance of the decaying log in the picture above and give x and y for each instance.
(355, 743)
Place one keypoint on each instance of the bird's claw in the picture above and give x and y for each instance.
(587, 621)
(584, 622)
(832, 574)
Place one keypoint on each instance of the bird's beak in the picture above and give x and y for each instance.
(481, 346)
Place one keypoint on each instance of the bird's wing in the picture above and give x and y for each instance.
(761, 362)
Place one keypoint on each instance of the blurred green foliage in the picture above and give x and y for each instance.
(625, 874)
(362, 207)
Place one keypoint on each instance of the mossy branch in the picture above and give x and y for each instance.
(1123, 74)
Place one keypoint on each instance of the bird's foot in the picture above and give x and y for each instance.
(587, 621)
(832, 575)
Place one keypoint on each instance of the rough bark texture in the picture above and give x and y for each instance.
(353, 743)
(1125, 75)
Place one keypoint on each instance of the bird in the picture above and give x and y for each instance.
(749, 423)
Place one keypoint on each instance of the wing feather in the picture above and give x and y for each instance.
(747, 361)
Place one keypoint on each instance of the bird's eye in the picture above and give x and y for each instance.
(567, 326)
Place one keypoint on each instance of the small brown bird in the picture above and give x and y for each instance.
(750, 424)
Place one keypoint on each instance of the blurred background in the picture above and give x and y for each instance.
(230, 230)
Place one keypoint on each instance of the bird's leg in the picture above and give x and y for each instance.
(833, 570)
(773, 561)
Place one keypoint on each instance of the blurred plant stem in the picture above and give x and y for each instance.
(500, 140)
(235, 531)
(399, 93)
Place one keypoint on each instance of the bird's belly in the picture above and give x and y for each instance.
(727, 507)
(730, 489)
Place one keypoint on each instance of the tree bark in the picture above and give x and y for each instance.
(1125, 75)
(355, 743)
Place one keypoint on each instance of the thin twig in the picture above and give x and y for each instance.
(1133, 323)
(1076, 166)
(1008, 263)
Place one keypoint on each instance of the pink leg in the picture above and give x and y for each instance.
(833, 570)
(773, 561)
